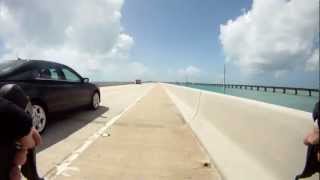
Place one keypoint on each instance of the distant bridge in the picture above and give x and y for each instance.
(274, 89)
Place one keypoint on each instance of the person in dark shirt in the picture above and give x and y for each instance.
(16, 124)
(17, 136)
(312, 164)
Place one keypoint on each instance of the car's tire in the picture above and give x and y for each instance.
(95, 101)
(39, 117)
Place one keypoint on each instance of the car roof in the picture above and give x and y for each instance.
(32, 61)
(42, 63)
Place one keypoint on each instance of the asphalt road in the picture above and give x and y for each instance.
(150, 140)
(69, 130)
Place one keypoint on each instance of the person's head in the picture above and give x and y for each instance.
(16, 95)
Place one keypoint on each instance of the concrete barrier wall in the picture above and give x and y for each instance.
(190, 99)
(246, 139)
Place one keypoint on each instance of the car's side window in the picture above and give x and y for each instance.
(54, 74)
(49, 73)
(70, 76)
(25, 75)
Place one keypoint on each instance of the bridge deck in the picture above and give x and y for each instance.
(150, 141)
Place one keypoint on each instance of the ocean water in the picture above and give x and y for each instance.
(302, 102)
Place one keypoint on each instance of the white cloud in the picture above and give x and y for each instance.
(125, 42)
(273, 36)
(313, 62)
(86, 35)
(188, 72)
(138, 69)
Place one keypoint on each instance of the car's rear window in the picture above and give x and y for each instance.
(8, 66)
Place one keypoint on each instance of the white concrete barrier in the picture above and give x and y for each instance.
(246, 139)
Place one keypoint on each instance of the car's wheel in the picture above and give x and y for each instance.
(95, 101)
(39, 117)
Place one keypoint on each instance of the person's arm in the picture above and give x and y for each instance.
(313, 136)
(318, 121)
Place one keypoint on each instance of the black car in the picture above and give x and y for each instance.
(51, 87)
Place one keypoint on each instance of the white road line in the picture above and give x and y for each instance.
(65, 164)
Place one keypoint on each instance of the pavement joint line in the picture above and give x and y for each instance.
(198, 141)
(64, 165)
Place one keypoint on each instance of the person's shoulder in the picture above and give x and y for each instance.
(4, 102)
(2, 99)
(9, 107)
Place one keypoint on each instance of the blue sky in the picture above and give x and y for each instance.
(179, 33)
(175, 34)
(272, 42)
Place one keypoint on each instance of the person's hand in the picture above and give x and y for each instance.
(311, 138)
(31, 140)
(20, 157)
(36, 137)
(305, 140)
(15, 173)
(27, 142)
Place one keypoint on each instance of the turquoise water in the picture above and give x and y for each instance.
(301, 102)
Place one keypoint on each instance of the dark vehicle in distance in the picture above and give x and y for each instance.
(138, 81)
(51, 87)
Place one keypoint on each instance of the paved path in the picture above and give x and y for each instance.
(149, 142)
(71, 129)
